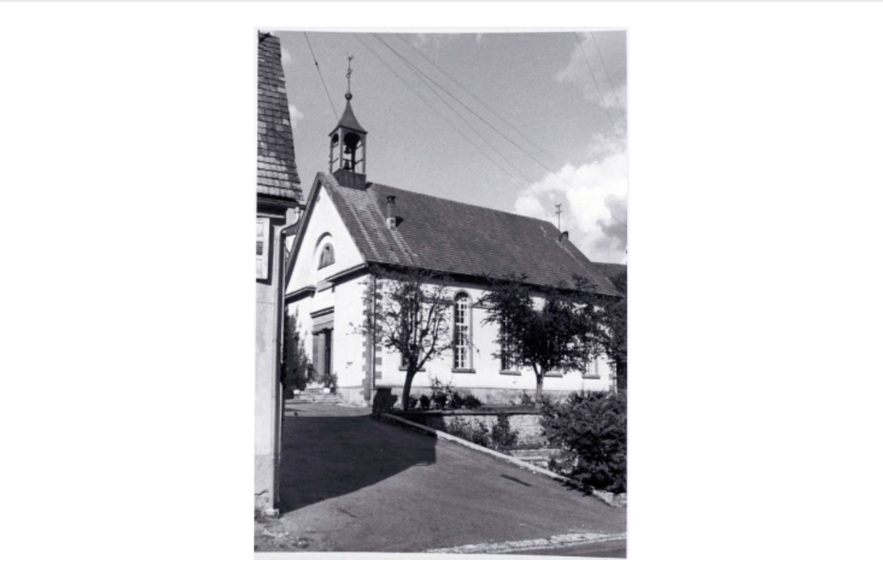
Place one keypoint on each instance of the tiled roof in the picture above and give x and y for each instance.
(611, 270)
(444, 235)
(277, 171)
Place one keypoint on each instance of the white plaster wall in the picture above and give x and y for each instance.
(324, 225)
(348, 343)
(487, 368)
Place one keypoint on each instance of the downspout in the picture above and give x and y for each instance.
(279, 408)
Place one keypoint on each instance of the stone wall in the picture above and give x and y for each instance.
(525, 423)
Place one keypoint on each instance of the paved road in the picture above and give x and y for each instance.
(354, 483)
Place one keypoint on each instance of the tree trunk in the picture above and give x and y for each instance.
(539, 394)
(406, 389)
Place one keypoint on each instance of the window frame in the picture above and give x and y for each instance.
(326, 256)
(263, 270)
(591, 369)
(461, 347)
(507, 366)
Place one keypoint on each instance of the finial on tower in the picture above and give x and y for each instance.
(349, 73)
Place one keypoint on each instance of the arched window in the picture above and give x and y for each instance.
(462, 322)
(327, 256)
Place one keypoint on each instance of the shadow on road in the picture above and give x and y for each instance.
(330, 451)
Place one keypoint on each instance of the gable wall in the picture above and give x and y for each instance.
(323, 225)
(345, 297)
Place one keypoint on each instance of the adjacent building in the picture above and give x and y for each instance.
(279, 204)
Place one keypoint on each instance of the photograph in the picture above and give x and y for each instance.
(441, 319)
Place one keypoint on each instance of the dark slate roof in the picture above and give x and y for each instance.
(348, 119)
(611, 270)
(277, 171)
(444, 235)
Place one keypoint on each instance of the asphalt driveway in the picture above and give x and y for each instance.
(354, 483)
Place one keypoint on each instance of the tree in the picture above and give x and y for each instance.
(560, 331)
(411, 316)
(591, 427)
(617, 312)
(295, 365)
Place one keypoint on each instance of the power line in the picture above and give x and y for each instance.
(422, 99)
(612, 89)
(316, 61)
(476, 98)
(481, 118)
(592, 73)
(423, 78)
(544, 166)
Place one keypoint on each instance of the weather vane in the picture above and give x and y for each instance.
(349, 73)
(558, 212)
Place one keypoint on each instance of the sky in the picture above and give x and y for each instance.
(516, 122)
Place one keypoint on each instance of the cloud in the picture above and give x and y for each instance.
(296, 115)
(594, 195)
(531, 205)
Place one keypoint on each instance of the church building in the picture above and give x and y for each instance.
(352, 227)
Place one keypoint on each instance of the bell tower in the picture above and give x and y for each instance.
(346, 158)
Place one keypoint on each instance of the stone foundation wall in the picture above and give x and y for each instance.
(526, 424)
(489, 396)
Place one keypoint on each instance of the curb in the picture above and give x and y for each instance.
(513, 547)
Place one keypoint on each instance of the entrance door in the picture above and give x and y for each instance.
(329, 336)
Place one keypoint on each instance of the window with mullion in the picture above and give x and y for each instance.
(461, 332)
(507, 363)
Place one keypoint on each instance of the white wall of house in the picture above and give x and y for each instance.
(323, 226)
(345, 298)
(487, 376)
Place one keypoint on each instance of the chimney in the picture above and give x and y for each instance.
(563, 236)
(391, 212)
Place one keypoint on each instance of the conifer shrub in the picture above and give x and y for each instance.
(424, 402)
(502, 435)
(591, 428)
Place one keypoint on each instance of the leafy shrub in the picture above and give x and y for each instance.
(424, 402)
(502, 436)
(456, 401)
(471, 402)
(439, 400)
(412, 403)
(473, 432)
(440, 393)
(591, 428)
(329, 381)
(296, 368)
